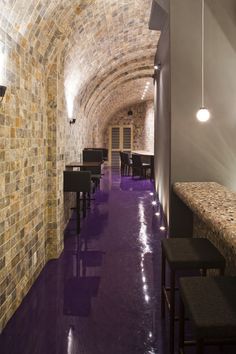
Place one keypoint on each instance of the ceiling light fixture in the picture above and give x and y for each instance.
(203, 113)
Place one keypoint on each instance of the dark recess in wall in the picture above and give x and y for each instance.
(181, 221)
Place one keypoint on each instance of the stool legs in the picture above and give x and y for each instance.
(222, 271)
(172, 300)
(78, 211)
(163, 282)
(172, 311)
(199, 346)
(84, 204)
(181, 327)
(199, 342)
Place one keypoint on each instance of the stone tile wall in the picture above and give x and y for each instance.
(142, 121)
(52, 47)
(23, 176)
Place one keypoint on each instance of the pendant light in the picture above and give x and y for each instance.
(203, 113)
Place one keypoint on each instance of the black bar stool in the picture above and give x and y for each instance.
(139, 168)
(185, 254)
(79, 182)
(210, 303)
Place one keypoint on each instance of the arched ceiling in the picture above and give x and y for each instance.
(106, 46)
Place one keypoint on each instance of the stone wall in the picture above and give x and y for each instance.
(142, 121)
(23, 174)
(45, 56)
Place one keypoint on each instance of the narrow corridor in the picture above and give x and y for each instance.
(99, 296)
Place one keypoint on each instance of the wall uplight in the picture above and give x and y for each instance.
(2, 92)
(72, 121)
(203, 113)
(157, 66)
(2, 71)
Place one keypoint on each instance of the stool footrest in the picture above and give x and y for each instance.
(191, 342)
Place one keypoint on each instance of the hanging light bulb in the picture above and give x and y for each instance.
(203, 114)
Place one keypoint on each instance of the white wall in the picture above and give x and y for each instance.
(162, 122)
(203, 152)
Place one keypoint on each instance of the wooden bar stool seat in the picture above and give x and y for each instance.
(185, 254)
(211, 306)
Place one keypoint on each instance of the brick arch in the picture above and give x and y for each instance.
(96, 39)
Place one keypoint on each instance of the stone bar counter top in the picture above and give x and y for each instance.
(215, 207)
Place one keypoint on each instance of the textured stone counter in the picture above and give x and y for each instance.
(214, 209)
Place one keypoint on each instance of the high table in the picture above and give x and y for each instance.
(77, 164)
(214, 215)
(143, 153)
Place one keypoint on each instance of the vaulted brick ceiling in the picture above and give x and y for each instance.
(107, 48)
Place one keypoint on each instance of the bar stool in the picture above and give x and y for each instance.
(128, 163)
(139, 168)
(96, 175)
(122, 164)
(185, 254)
(211, 306)
(79, 182)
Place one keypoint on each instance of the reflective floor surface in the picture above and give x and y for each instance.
(103, 294)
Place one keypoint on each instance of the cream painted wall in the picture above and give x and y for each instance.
(203, 152)
(162, 122)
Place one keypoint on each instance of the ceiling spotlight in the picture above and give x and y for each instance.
(157, 214)
(154, 202)
(162, 228)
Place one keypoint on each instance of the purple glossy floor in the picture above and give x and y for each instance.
(99, 296)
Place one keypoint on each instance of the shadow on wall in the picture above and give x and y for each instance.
(225, 18)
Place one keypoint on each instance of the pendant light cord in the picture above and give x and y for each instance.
(203, 30)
